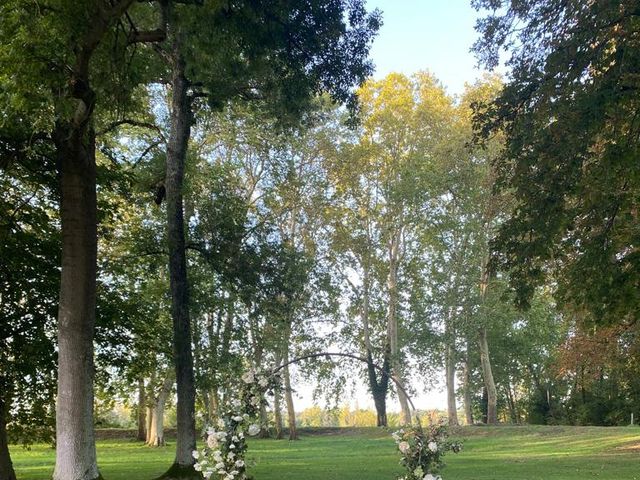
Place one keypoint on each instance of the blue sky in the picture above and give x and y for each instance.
(433, 35)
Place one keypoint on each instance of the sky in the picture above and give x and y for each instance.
(434, 35)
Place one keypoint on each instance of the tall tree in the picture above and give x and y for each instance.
(569, 114)
(60, 51)
(300, 49)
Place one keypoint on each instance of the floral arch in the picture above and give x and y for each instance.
(223, 455)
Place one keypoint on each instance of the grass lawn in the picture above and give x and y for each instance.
(502, 453)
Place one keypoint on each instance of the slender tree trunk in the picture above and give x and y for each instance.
(141, 417)
(378, 387)
(288, 395)
(180, 130)
(277, 405)
(492, 394)
(452, 409)
(450, 368)
(277, 413)
(485, 361)
(6, 466)
(76, 452)
(392, 327)
(466, 375)
(157, 428)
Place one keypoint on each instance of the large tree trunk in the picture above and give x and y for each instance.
(392, 327)
(6, 466)
(492, 395)
(141, 414)
(157, 425)
(76, 452)
(180, 130)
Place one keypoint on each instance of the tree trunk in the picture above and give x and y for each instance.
(6, 466)
(450, 369)
(157, 425)
(452, 409)
(277, 405)
(76, 452)
(378, 386)
(180, 129)
(141, 417)
(288, 395)
(277, 413)
(392, 327)
(149, 421)
(492, 395)
(466, 375)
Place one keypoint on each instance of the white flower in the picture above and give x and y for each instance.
(219, 466)
(212, 441)
(195, 454)
(248, 377)
(428, 476)
(221, 423)
(232, 446)
(238, 418)
(433, 446)
(235, 439)
(404, 447)
(263, 382)
(239, 463)
(254, 429)
(197, 467)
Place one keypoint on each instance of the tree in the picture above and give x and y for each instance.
(269, 50)
(568, 113)
(59, 51)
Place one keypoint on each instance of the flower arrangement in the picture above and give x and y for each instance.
(422, 450)
(223, 455)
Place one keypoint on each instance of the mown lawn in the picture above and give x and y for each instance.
(502, 453)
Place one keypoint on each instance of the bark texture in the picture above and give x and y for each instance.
(487, 373)
(485, 360)
(75, 144)
(142, 415)
(180, 129)
(6, 466)
(156, 436)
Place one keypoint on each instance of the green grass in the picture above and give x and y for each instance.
(502, 453)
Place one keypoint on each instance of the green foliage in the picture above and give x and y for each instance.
(29, 279)
(570, 162)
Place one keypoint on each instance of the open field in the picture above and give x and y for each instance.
(502, 453)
